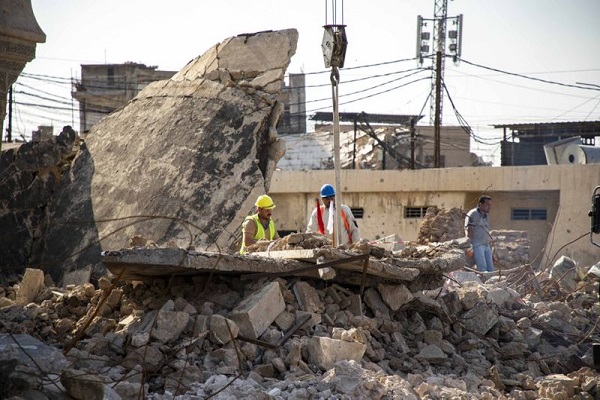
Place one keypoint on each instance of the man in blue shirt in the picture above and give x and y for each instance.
(477, 227)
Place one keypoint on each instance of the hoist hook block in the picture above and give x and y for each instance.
(595, 215)
(334, 45)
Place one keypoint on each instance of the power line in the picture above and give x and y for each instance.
(529, 77)
(521, 86)
(463, 123)
(364, 66)
(362, 79)
(361, 98)
(365, 90)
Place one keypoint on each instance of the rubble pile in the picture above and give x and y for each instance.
(294, 338)
(295, 241)
(511, 248)
(292, 241)
(441, 225)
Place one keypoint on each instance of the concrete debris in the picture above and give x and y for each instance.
(422, 266)
(206, 140)
(31, 286)
(186, 317)
(441, 225)
(189, 338)
(256, 312)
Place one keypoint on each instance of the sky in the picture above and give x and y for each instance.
(523, 61)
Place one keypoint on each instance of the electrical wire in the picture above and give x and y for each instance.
(361, 79)
(328, 71)
(56, 104)
(365, 90)
(463, 123)
(529, 77)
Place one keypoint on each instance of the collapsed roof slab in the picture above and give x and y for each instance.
(185, 160)
(149, 263)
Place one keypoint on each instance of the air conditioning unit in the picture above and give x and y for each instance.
(580, 154)
(554, 150)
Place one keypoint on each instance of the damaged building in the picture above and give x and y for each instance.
(134, 287)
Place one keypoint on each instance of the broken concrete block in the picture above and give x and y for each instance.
(169, 325)
(256, 312)
(432, 354)
(502, 296)
(481, 318)
(308, 298)
(201, 325)
(349, 335)
(5, 302)
(140, 339)
(355, 305)
(325, 352)
(149, 357)
(222, 330)
(432, 336)
(83, 385)
(373, 300)
(395, 296)
(37, 357)
(315, 319)
(78, 277)
(285, 320)
(551, 385)
(31, 285)
(183, 305)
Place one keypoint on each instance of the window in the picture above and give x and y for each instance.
(528, 214)
(110, 74)
(415, 212)
(357, 212)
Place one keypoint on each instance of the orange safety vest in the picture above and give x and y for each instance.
(346, 224)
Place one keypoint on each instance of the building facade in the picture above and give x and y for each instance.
(523, 144)
(293, 97)
(550, 202)
(103, 88)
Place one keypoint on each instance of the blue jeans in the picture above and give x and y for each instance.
(482, 254)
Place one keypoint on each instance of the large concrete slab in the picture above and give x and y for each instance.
(145, 263)
(149, 263)
(185, 160)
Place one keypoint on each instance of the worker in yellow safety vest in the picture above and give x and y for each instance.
(259, 226)
(322, 218)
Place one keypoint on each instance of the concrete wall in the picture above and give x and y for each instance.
(454, 145)
(105, 87)
(563, 190)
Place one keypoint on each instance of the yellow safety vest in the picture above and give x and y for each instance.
(260, 231)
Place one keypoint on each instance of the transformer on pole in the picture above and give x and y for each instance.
(334, 46)
(440, 50)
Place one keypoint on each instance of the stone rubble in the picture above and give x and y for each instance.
(185, 339)
(206, 139)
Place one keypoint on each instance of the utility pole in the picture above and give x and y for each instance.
(436, 100)
(412, 143)
(437, 107)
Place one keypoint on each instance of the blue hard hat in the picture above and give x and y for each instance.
(327, 190)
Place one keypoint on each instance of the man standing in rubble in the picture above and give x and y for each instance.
(259, 226)
(477, 227)
(322, 221)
